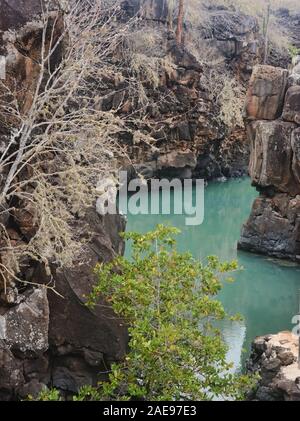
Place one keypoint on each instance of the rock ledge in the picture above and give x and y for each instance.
(275, 358)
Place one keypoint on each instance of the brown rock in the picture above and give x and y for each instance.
(177, 164)
(286, 357)
(26, 219)
(177, 159)
(265, 96)
(271, 155)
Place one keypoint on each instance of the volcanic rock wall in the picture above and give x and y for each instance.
(46, 338)
(187, 137)
(273, 115)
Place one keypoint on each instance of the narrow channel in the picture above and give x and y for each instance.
(265, 291)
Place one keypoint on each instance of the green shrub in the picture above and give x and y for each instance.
(46, 395)
(293, 51)
(168, 300)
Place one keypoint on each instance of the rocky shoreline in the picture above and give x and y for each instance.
(275, 358)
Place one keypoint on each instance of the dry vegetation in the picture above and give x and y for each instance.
(197, 15)
(61, 145)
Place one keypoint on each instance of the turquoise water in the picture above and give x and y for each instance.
(265, 292)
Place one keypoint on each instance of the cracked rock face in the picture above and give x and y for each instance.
(46, 339)
(55, 340)
(275, 359)
(273, 227)
(184, 117)
(271, 156)
(266, 93)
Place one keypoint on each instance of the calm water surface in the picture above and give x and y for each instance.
(266, 291)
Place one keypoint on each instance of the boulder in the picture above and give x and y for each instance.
(266, 92)
(71, 372)
(32, 389)
(273, 227)
(291, 110)
(272, 154)
(293, 80)
(177, 164)
(228, 25)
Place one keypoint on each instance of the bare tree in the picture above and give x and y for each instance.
(179, 29)
(266, 27)
(60, 143)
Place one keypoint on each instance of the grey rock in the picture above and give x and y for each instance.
(32, 388)
(25, 327)
(11, 374)
(291, 110)
(286, 357)
(272, 364)
(273, 227)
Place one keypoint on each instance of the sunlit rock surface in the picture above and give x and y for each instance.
(275, 359)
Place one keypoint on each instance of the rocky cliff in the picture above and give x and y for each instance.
(164, 94)
(272, 112)
(179, 91)
(275, 359)
(47, 335)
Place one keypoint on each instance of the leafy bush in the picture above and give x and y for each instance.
(46, 395)
(293, 51)
(168, 301)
